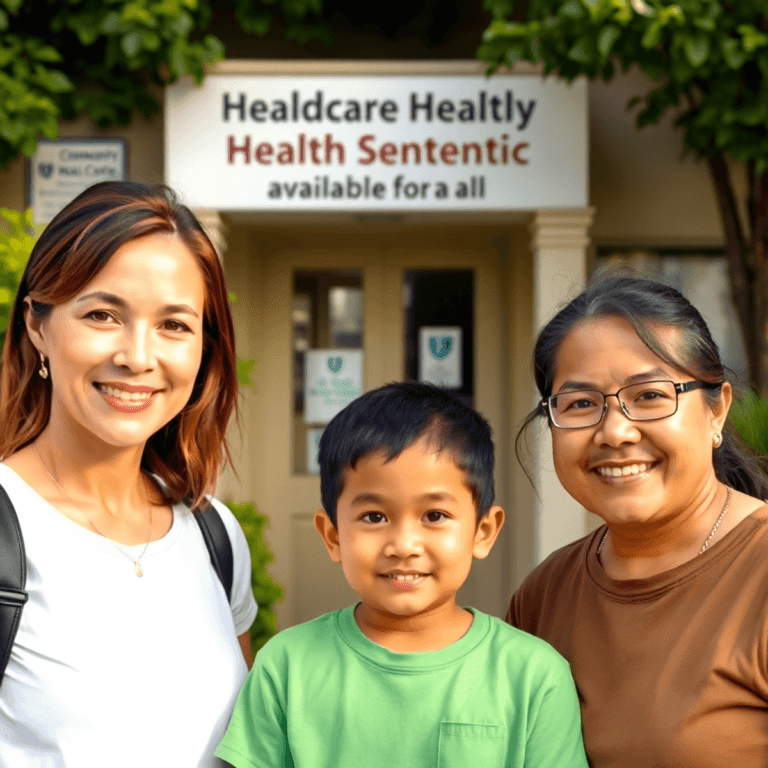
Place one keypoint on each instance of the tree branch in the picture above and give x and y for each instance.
(739, 268)
(760, 280)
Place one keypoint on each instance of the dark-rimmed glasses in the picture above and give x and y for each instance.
(648, 401)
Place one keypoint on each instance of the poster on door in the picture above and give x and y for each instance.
(440, 360)
(333, 378)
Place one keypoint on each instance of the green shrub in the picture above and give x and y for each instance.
(750, 417)
(266, 591)
(16, 240)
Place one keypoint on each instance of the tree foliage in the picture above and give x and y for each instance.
(64, 58)
(750, 417)
(708, 60)
(16, 240)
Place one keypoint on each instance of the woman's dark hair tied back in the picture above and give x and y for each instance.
(648, 305)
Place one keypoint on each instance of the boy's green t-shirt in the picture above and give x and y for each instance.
(322, 695)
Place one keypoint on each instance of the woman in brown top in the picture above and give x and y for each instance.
(663, 611)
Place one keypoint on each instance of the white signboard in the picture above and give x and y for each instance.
(60, 170)
(440, 356)
(333, 378)
(244, 142)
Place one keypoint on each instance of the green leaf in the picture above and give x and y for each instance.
(652, 35)
(183, 25)
(696, 49)
(583, 51)
(57, 82)
(244, 368)
(724, 135)
(214, 48)
(514, 54)
(177, 61)
(755, 113)
(606, 38)
(733, 54)
(150, 41)
(572, 9)
(131, 44)
(751, 37)
(135, 12)
(110, 24)
(46, 53)
(3, 20)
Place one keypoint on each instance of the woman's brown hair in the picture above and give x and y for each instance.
(189, 452)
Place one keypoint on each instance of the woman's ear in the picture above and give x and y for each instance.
(328, 534)
(721, 407)
(34, 327)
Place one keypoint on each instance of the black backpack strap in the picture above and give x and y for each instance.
(218, 543)
(13, 577)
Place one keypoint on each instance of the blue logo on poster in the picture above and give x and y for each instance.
(335, 364)
(440, 346)
(45, 169)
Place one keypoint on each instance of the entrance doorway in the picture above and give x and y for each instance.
(376, 291)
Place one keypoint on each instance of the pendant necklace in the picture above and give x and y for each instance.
(711, 534)
(136, 563)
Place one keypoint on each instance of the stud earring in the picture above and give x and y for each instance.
(717, 439)
(43, 370)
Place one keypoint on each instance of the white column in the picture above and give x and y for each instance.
(559, 243)
(215, 228)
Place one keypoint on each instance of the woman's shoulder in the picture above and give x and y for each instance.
(226, 514)
(558, 578)
(18, 489)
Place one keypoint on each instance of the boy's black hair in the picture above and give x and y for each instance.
(395, 416)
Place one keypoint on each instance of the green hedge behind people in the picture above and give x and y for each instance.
(406, 677)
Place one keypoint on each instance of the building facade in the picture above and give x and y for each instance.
(351, 271)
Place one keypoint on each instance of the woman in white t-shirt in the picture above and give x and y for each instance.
(118, 382)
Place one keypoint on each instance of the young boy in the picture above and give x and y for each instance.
(406, 678)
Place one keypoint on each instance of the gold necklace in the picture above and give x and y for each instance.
(709, 538)
(136, 563)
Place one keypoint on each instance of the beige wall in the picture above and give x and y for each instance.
(645, 190)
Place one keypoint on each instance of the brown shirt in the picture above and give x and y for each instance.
(672, 670)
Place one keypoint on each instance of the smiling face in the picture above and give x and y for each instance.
(124, 352)
(406, 533)
(632, 471)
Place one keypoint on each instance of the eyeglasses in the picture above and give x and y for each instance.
(648, 401)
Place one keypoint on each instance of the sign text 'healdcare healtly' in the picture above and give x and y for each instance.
(363, 143)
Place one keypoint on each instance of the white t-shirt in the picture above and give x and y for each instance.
(109, 670)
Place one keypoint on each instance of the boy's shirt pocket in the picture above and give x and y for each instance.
(462, 745)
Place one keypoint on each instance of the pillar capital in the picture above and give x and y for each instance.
(561, 228)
